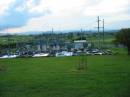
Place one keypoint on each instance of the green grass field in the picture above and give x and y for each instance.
(105, 76)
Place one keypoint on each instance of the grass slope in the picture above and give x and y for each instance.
(106, 76)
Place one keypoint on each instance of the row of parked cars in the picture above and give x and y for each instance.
(59, 54)
(99, 52)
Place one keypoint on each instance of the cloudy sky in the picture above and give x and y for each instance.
(42, 15)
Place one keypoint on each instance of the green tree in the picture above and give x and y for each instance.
(123, 37)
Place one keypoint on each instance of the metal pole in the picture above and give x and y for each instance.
(98, 28)
(103, 33)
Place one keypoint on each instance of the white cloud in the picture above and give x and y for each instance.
(107, 7)
(112, 11)
(67, 14)
(4, 6)
(58, 7)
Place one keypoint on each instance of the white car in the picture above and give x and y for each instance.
(41, 55)
(9, 56)
(64, 53)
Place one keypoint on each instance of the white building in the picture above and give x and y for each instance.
(79, 44)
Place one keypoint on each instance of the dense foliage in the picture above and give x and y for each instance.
(123, 37)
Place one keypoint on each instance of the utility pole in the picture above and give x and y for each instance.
(52, 30)
(82, 55)
(81, 34)
(8, 51)
(52, 36)
(103, 33)
(40, 42)
(52, 39)
(82, 62)
(8, 39)
(98, 28)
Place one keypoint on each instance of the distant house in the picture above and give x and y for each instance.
(80, 44)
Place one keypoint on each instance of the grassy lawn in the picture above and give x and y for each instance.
(105, 76)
